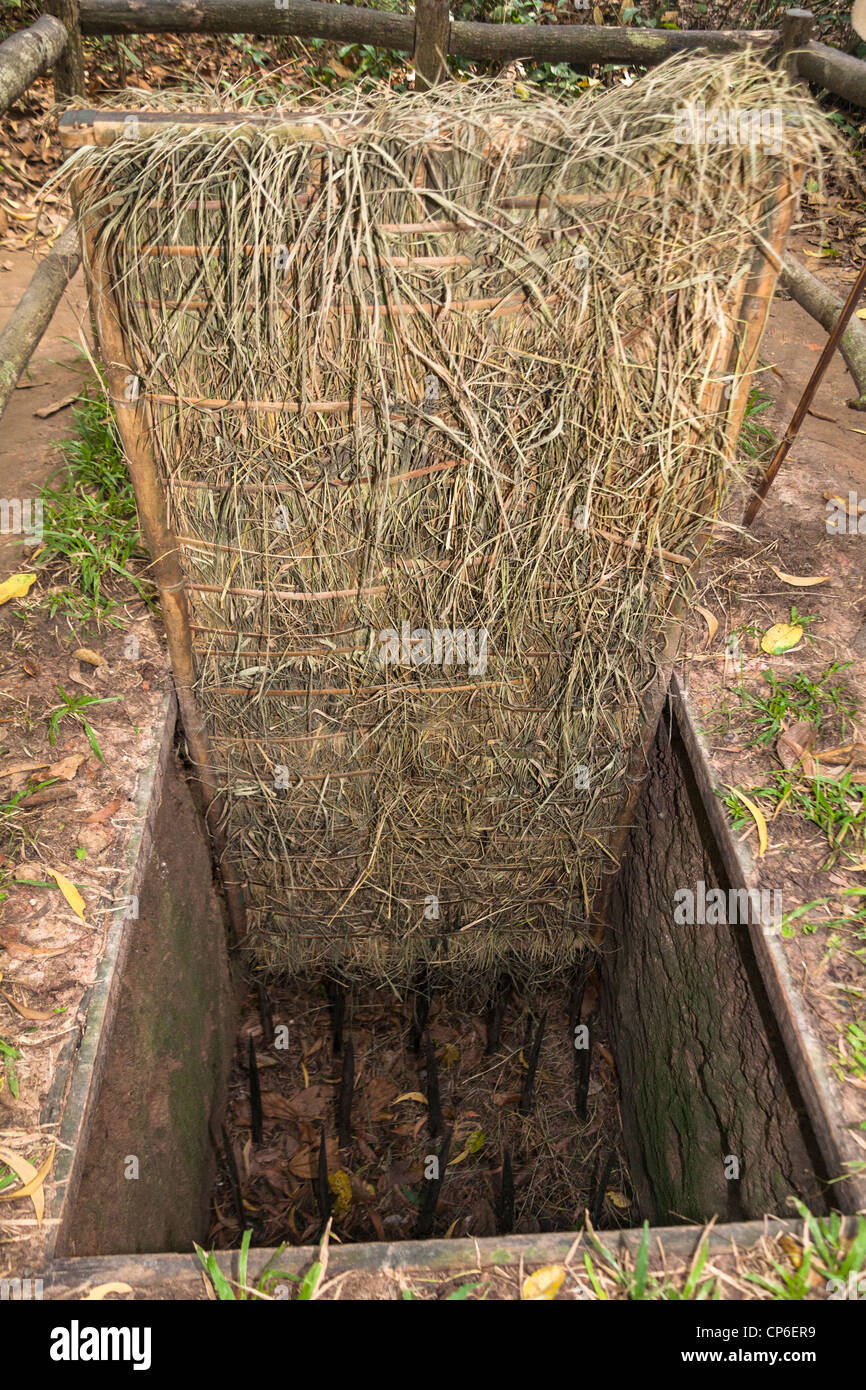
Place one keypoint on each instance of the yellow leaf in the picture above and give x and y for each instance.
(100, 1291)
(89, 655)
(411, 1095)
(475, 1141)
(521, 90)
(544, 1284)
(450, 1055)
(861, 313)
(341, 1186)
(758, 817)
(618, 1199)
(31, 1177)
(793, 1250)
(597, 16)
(711, 621)
(70, 892)
(781, 637)
(16, 586)
(801, 581)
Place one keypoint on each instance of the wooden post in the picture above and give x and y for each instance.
(796, 33)
(432, 33)
(69, 69)
(135, 429)
(26, 55)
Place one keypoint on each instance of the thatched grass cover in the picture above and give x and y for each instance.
(437, 396)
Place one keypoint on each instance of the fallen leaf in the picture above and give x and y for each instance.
(758, 817)
(19, 951)
(67, 767)
(16, 586)
(793, 745)
(305, 1163)
(781, 637)
(800, 581)
(99, 816)
(544, 1284)
(36, 1015)
(618, 1199)
(31, 1177)
(711, 621)
(69, 891)
(411, 1095)
(101, 1291)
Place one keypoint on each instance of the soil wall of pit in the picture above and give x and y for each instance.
(150, 1161)
(712, 1119)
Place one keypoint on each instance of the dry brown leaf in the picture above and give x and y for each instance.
(800, 581)
(19, 951)
(305, 1163)
(102, 1291)
(67, 767)
(32, 1179)
(36, 1015)
(793, 746)
(711, 621)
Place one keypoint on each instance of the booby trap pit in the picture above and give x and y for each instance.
(429, 404)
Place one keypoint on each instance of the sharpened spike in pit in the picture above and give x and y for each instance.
(529, 1083)
(505, 1202)
(234, 1178)
(434, 1102)
(582, 1069)
(347, 1089)
(599, 1195)
(337, 1000)
(323, 1191)
(265, 1014)
(422, 994)
(432, 1189)
(255, 1094)
(498, 1006)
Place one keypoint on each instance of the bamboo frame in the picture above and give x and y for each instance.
(734, 351)
(133, 427)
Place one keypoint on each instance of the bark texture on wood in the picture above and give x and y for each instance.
(27, 55)
(702, 1072)
(839, 73)
(69, 70)
(356, 24)
(432, 25)
(825, 307)
(35, 310)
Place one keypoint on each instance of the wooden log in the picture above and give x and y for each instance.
(35, 310)
(27, 55)
(69, 69)
(432, 36)
(838, 73)
(796, 33)
(579, 43)
(825, 307)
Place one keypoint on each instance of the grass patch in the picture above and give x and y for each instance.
(91, 531)
(797, 698)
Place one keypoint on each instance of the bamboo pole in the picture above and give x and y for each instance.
(166, 569)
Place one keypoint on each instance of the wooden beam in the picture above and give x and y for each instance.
(834, 71)
(35, 310)
(432, 36)
(69, 70)
(27, 55)
(579, 43)
(796, 29)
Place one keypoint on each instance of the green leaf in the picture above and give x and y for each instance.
(310, 1283)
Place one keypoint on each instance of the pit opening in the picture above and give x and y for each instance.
(691, 1106)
